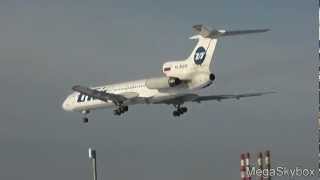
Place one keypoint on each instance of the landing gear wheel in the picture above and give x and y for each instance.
(176, 113)
(179, 110)
(85, 120)
(120, 110)
(117, 112)
(184, 109)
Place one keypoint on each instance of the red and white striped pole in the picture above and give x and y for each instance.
(259, 163)
(247, 163)
(267, 163)
(242, 167)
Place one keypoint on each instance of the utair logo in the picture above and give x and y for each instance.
(200, 55)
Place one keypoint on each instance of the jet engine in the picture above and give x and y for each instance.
(162, 82)
(201, 80)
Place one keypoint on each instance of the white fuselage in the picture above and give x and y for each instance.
(79, 102)
(188, 75)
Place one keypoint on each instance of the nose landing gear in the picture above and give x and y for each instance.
(85, 118)
(179, 111)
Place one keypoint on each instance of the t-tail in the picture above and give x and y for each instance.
(202, 54)
(195, 70)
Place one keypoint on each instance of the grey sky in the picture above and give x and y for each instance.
(48, 46)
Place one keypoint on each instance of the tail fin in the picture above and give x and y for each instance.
(207, 41)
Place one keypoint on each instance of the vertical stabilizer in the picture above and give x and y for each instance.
(202, 54)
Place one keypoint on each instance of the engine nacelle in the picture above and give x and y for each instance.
(201, 80)
(162, 82)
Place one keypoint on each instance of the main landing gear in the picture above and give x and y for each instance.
(179, 110)
(120, 110)
(85, 117)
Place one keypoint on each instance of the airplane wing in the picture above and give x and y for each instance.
(101, 95)
(228, 96)
(196, 98)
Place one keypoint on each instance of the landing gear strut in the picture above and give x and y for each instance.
(120, 110)
(85, 117)
(179, 110)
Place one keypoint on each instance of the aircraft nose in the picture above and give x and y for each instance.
(66, 105)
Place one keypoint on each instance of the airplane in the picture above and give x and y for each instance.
(178, 85)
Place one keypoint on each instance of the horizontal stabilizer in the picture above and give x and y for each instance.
(206, 33)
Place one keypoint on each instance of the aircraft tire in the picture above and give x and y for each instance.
(176, 113)
(85, 120)
(117, 112)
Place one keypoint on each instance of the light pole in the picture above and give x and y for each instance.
(93, 156)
